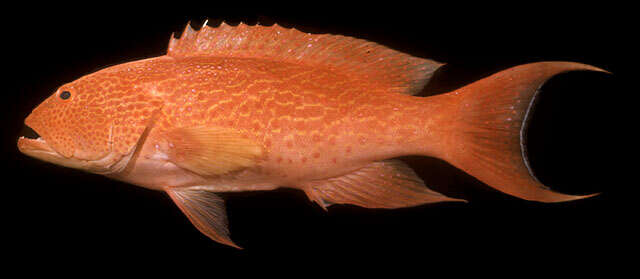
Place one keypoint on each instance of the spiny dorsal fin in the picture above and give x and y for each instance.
(403, 73)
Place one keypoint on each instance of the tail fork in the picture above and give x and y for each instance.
(490, 125)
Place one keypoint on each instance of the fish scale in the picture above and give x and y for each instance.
(251, 108)
(282, 100)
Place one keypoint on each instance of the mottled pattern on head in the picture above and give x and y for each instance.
(106, 112)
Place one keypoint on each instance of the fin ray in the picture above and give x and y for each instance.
(385, 184)
(205, 210)
(400, 72)
(211, 151)
(489, 134)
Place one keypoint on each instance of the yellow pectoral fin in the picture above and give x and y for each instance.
(211, 151)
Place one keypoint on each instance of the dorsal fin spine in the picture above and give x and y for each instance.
(359, 58)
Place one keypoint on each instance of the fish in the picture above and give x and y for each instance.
(255, 108)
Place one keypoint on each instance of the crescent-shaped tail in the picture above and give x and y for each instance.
(489, 124)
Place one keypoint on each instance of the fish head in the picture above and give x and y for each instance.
(93, 123)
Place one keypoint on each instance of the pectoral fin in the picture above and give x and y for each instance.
(211, 151)
(386, 184)
(205, 210)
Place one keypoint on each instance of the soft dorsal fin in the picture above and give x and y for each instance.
(402, 73)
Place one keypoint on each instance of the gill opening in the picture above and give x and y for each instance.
(143, 137)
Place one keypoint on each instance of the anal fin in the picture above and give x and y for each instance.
(385, 184)
(205, 210)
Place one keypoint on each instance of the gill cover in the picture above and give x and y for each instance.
(94, 117)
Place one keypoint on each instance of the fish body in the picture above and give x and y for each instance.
(307, 124)
(256, 108)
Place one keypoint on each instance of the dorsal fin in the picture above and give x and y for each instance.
(401, 72)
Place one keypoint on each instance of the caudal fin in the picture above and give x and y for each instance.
(490, 126)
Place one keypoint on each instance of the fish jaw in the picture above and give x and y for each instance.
(39, 148)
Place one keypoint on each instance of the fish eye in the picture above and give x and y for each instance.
(65, 95)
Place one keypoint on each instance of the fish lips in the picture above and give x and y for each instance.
(39, 148)
(31, 143)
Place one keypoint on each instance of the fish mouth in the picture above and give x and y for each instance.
(32, 144)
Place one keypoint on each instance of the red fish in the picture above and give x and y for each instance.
(256, 108)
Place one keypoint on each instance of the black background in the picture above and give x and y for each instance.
(65, 217)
